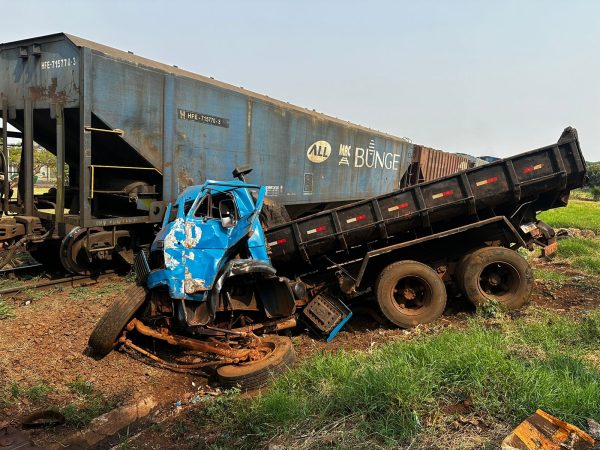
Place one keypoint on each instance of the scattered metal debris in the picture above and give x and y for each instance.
(544, 431)
(594, 428)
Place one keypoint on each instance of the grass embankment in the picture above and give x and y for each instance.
(387, 397)
(582, 254)
(580, 214)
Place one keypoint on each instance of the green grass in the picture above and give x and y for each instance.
(6, 310)
(81, 387)
(383, 397)
(583, 194)
(582, 253)
(544, 274)
(37, 393)
(89, 404)
(578, 214)
(94, 293)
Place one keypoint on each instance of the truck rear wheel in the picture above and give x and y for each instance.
(461, 265)
(498, 274)
(410, 293)
(109, 327)
(257, 374)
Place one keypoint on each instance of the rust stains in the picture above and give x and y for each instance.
(48, 92)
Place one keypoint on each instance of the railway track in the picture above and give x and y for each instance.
(70, 280)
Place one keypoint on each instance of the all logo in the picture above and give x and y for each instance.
(319, 151)
(357, 157)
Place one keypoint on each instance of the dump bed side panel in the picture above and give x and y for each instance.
(539, 176)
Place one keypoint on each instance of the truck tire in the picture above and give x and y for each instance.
(462, 263)
(258, 374)
(498, 274)
(410, 293)
(109, 327)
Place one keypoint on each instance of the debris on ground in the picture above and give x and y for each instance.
(593, 428)
(563, 233)
(544, 431)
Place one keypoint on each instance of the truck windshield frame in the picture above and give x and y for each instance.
(207, 207)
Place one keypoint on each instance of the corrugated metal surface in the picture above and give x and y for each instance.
(429, 164)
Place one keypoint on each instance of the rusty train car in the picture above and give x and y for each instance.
(428, 164)
(130, 133)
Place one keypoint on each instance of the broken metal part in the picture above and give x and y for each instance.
(278, 325)
(543, 431)
(24, 240)
(326, 314)
(217, 348)
(10, 229)
(172, 366)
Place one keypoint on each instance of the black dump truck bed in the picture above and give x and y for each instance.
(539, 179)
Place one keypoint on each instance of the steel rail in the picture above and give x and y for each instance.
(57, 281)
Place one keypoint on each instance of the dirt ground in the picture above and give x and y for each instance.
(44, 362)
(43, 357)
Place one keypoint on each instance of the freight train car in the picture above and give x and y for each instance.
(133, 133)
(428, 164)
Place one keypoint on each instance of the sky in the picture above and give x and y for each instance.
(478, 77)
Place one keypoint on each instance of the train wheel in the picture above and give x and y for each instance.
(109, 327)
(257, 374)
(75, 256)
(410, 293)
(498, 274)
(72, 255)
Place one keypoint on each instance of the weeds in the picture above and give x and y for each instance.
(549, 275)
(491, 309)
(125, 443)
(6, 310)
(90, 292)
(81, 387)
(38, 393)
(584, 254)
(90, 404)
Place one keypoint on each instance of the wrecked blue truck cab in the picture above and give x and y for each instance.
(210, 236)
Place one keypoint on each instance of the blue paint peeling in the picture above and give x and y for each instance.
(202, 231)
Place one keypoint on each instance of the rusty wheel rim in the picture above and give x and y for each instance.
(499, 280)
(411, 295)
(263, 351)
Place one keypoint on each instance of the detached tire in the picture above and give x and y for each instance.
(109, 327)
(497, 274)
(410, 293)
(256, 375)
